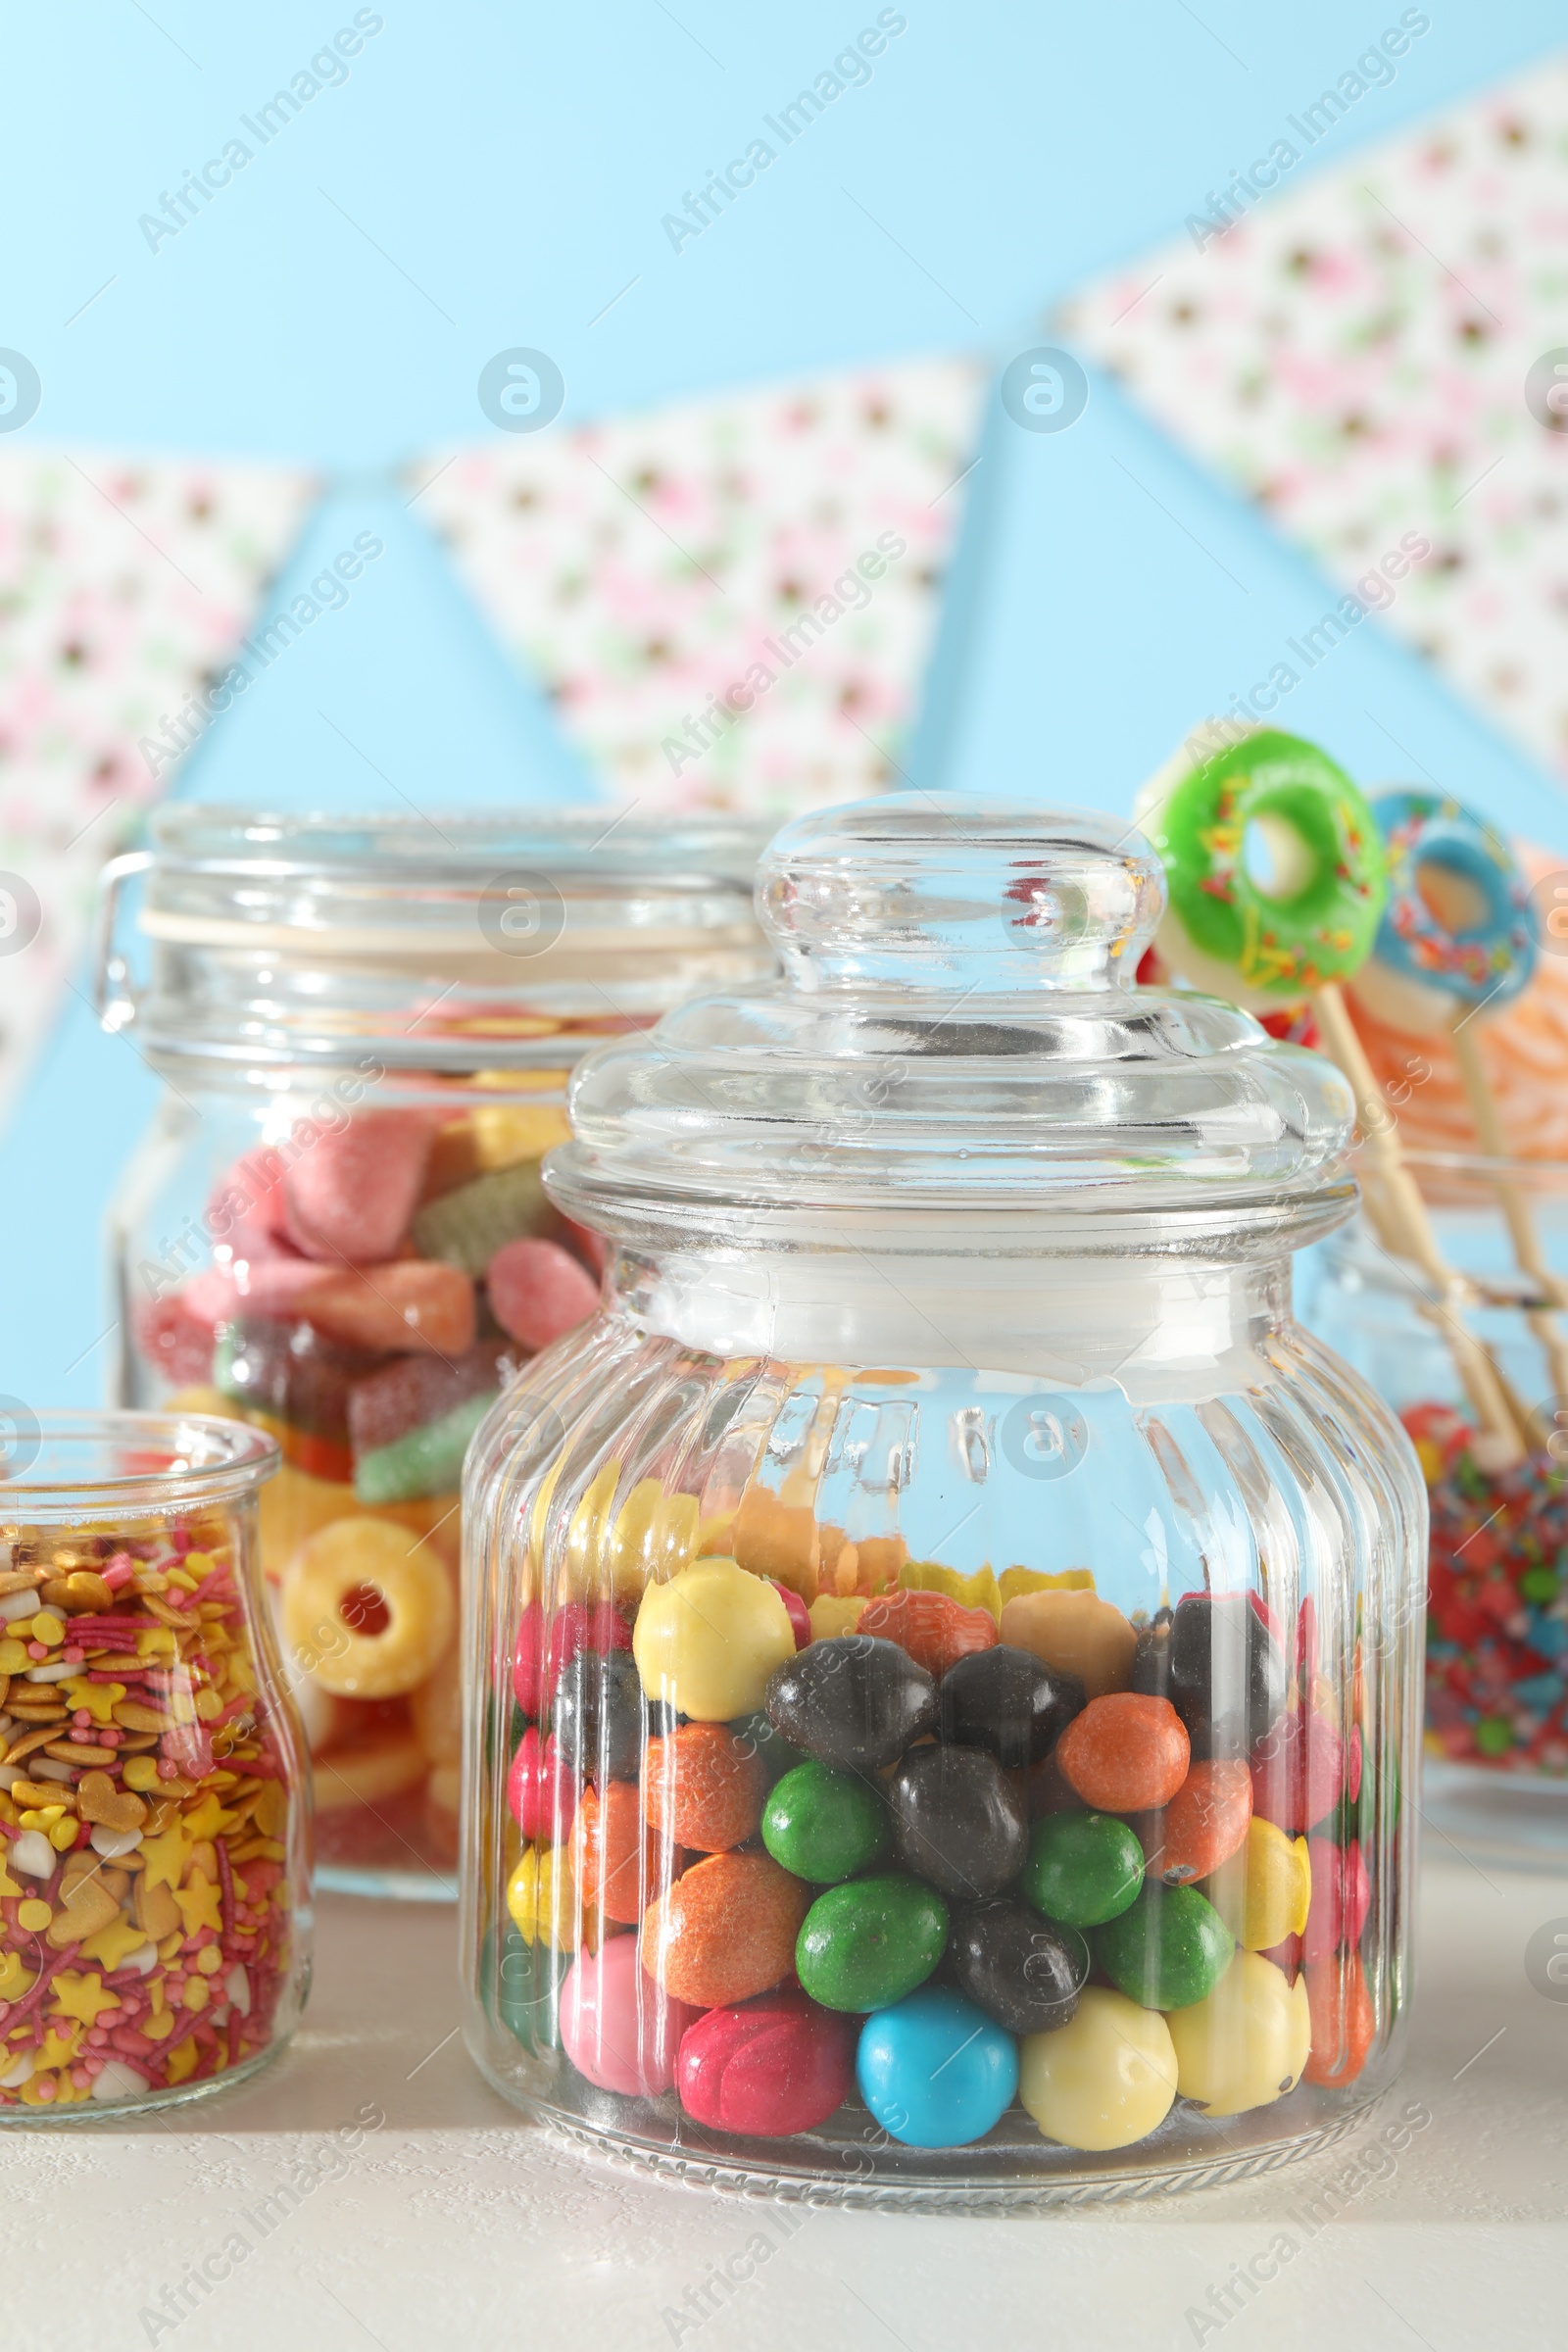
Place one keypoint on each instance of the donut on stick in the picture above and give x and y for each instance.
(1459, 942)
(1277, 881)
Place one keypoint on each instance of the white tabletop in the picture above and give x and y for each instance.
(454, 2224)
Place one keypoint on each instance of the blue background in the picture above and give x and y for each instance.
(491, 177)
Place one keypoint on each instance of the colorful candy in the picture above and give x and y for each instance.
(702, 1787)
(617, 2027)
(1204, 1824)
(865, 1946)
(708, 1640)
(1077, 1632)
(600, 1716)
(957, 1822)
(1083, 1868)
(1167, 1949)
(725, 1930)
(826, 1824)
(854, 1701)
(936, 1630)
(935, 2071)
(539, 1292)
(1024, 1970)
(1009, 1701)
(1245, 2043)
(1125, 1753)
(1104, 2079)
(1220, 1667)
(365, 1610)
(773, 2066)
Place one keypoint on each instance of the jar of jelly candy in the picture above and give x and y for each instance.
(335, 1227)
(942, 1644)
(1495, 1769)
(154, 1792)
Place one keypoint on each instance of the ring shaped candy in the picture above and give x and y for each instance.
(345, 1558)
(1459, 927)
(1274, 864)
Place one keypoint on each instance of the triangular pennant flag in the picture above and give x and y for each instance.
(130, 582)
(1378, 356)
(730, 602)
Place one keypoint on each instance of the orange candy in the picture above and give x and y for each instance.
(935, 1630)
(725, 1931)
(1343, 2021)
(703, 1787)
(1205, 1823)
(1125, 1753)
(614, 1857)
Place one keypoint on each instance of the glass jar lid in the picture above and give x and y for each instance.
(957, 1029)
(478, 939)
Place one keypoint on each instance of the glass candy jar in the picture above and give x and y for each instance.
(154, 1793)
(944, 1645)
(1496, 1771)
(335, 1226)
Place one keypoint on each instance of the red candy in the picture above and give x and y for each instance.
(543, 1799)
(1297, 1771)
(766, 2067)
(538, 1291)
(800, 1616)
(352, 1192)
(1341, 1896)
(935, 1630)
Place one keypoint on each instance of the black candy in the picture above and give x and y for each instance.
(288, 1370)
(852, 1701)
(1024, 1970)
(1219, 1666)
(1009, 1701)
(957, 1822)
(600, 1717)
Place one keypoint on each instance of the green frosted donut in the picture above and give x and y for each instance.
(1322, 840)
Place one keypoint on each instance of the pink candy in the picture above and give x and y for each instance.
(795, 1609)
(1297, 1771)
(351, 1192)
(617, 2027)
(538, 1291)
(1341, 1896)
(543, 1799)
(768, 2067)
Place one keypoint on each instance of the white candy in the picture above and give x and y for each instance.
(21, 2072)
(144, 1959)
(116, 2080)
(237, 1986)
(113, 1843)
(18, 1604)
(58, 1673)
(33, 1854)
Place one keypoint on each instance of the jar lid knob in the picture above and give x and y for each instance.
(926, 892)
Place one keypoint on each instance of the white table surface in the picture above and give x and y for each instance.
(456, 2223)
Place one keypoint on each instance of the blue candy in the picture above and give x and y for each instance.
(935, 2071)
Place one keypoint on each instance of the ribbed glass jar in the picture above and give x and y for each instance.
(942, 1644)
(335, 1226)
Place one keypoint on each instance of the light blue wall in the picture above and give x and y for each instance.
(494, 175)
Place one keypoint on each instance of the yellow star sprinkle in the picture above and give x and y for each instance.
(200, 1905)
(60, 2049)
(113, 1945)
(164, 1856)
(15, 1980)
(207, 1819)
(82, 1997)
(96, 1697)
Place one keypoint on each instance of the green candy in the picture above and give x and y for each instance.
(1324, 926)
(826, 1824)
(467, 1227)
(1170, 1949)
(865, 1946)
(425, 1461)
(1083, 1868)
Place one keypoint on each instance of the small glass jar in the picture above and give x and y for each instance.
(1495, 1771)
(155, 1918)
(335, 1226)
(942, 1644)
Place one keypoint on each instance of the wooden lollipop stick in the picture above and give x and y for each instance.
(1523, 1231)
(1406, 1228)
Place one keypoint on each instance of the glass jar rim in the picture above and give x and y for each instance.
(207, 1460)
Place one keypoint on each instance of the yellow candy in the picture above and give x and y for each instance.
(48, 1629)
(542, 1899)
(33, 1915)
(978, 1591)
(1106, 2080)
(12, 1655)
(1262, 1892)
(1073, 1630)
(1247, 2042)
(830, 1617)
(141, 1771)
(655, 1537)
(413, 1582)
(709, 1640)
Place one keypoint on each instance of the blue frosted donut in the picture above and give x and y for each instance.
(1485, 963)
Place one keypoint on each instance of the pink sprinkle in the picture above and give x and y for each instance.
(72, 1655)
(82, 2078)
(36, 1649)
(46, 2091)
(166, 1769)
(110, 1739)
(119, 1571)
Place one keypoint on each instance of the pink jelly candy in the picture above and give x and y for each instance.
(538, 1291)
(543, 1799)
(352, 1191)
(617, 2027)
(1341, 1896)
(768, 2067)
(176, 1342)
(1297, 1771)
